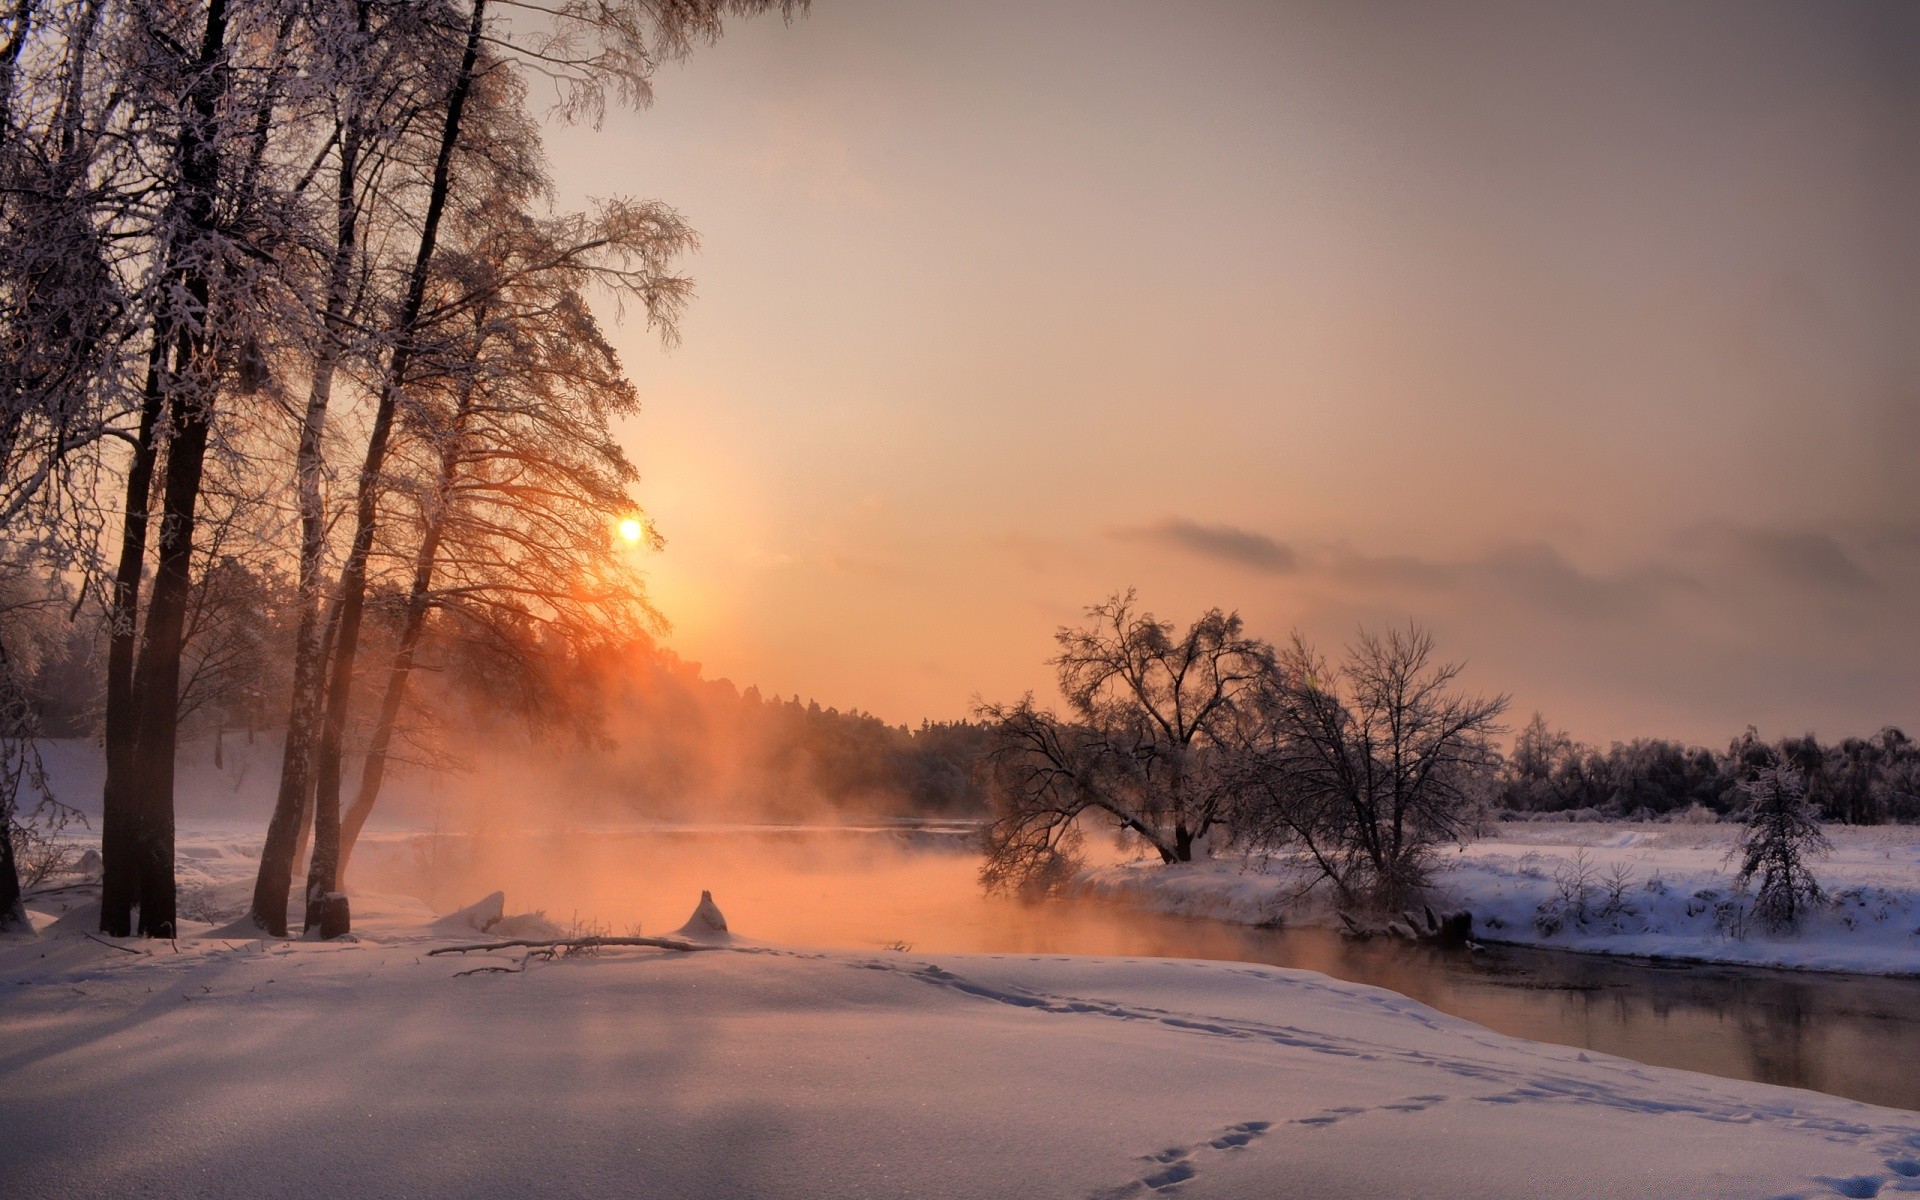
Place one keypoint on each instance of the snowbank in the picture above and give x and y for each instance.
(373, 1069)
(1658, 891)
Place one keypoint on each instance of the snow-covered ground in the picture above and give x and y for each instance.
(1661, 891)
(223, 1067)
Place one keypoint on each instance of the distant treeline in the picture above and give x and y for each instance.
(1856, 780)
(632, 721)
(675, 741)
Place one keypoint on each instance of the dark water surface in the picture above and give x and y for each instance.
(1855, 1036)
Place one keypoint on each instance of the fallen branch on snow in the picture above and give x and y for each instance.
(122, 949)
(36, 893)
(584, 943)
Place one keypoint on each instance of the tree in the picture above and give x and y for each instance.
(1151, 718)
(586, 46)
(520, 478)
(1782, 833)
(23, 819)
(1362, 770)
(384, 62)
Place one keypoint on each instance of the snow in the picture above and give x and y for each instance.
(1679, 900)
(477, 917)
(223, 1068)
(707, 925)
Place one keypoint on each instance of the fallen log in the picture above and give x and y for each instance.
(585, 943)
(1451, 931)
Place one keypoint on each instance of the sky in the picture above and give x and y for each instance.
(1587, 336)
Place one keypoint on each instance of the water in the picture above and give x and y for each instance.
(1854, 1036)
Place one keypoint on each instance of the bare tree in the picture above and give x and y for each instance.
(1145, 745)
(1366, 768)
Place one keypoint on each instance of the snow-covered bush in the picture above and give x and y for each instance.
(1782, 833)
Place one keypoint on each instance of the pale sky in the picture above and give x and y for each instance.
(1584, 334)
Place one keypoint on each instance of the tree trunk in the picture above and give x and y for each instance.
(120, 877)
(13, 913)
(373, 771)
(322, 873)
(1182, 844)
(286, 831)
(156, 674)
(156, 681)
(16, 731)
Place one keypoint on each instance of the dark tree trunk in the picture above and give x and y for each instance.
(120, 875)
(1182, 844)
(156, 673)
(322, 874)
(12, 913)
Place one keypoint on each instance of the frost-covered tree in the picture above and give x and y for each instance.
(507, 464)
(1366, 767)
(1782, 834)
(1151, 714)
(585, 47)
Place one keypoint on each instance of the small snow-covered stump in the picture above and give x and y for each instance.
(707, 924)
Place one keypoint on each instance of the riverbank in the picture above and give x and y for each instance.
(227, 1068)
(1649, 891)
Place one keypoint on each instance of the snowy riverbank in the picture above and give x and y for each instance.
(244, 1068)
(1659, 891)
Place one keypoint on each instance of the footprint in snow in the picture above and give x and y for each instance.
(1175, 1165)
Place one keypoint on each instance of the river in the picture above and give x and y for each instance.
(883, 889)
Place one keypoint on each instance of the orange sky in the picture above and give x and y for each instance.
(1585, 335)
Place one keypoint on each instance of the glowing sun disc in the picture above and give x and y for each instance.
(631, 531)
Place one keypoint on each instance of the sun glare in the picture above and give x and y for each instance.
(630, 530)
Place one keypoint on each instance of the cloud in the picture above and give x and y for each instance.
(1222, 543)
(1796, 556)
(1532, 572)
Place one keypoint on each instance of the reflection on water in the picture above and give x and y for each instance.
(1849, 1035)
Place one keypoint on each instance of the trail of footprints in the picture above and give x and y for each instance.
(1171, 1167)
(1167, 1169)
(1174, 1165)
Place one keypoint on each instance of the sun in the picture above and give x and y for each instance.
(631, 530)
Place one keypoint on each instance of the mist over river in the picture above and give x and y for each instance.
(893, 888)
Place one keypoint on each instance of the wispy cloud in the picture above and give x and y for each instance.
(1804, 557)
(1223, 543)
(1533, 572)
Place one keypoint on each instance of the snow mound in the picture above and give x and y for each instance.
(707, 924)
(533, 925)
(488, 915)
(77, 920)
(479, 917)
